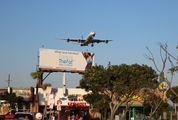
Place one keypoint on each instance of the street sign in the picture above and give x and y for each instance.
(59, 102)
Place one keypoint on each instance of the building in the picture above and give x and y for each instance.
(64, 102)
(60, 102)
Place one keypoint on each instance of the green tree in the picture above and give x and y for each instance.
(98, 102)
(39, 76)
(22, 102)
(134, 78)
(10, 98)
(120, 83)
(44, 86)
(154, 101)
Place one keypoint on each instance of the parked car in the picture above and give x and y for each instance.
(9, 115)
(24, 115)
(1, 117)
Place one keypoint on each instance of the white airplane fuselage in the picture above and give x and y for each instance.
(89, 39)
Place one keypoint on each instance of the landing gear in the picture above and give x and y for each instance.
(92, 45)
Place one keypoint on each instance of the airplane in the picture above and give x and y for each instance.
(85, 41)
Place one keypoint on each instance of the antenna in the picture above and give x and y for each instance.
(9, 80)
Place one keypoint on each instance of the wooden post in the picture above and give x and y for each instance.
(32, 106)
(36, 102)
(164, 116)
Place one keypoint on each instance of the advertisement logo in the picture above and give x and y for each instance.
(65, 60)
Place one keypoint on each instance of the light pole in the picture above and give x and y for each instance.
(47, 91)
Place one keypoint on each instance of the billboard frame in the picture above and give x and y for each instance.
(50, 69)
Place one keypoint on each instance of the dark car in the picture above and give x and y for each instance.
(1, 117)
(24, 115)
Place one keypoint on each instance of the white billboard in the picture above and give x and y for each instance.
(63, 60)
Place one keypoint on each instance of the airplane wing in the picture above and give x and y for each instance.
(79, 40)
(99, 41)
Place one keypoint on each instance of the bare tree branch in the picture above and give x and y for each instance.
(163, 59)
(165, 50)
(168, 57)
(151, 58)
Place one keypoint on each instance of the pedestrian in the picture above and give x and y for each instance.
(68, 118)
(76, 117)
(72, 117)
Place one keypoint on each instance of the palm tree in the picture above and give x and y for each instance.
(39, 76)
(44, 86)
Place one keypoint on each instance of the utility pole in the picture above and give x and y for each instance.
(8, 81)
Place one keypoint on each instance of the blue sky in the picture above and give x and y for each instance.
(26, 26)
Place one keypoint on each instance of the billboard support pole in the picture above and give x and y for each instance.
(47, 75)
(64, 83)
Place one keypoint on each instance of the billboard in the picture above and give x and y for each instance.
(65, 61)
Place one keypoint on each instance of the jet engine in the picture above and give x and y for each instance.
(79, 41)
(68, 40)
(98, 41)
(106, 41)
(92, 45)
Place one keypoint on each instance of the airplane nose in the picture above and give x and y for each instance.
(93, 34)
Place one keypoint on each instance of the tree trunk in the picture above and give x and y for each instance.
(40, 80)
(104, 115)
(123, 117)
(113, 109)
(36, 97)
(124, 114)
(150, 117)
(112, 115)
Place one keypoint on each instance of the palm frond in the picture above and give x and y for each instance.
(36, 75)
